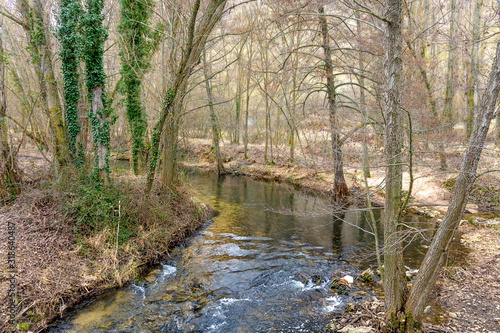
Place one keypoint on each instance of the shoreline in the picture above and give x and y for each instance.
(58, 269)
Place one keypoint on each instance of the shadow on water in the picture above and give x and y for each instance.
(245, 271)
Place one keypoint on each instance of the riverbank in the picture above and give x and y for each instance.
(467, 291)
(61, 260)
(313, 173)
(465, 298)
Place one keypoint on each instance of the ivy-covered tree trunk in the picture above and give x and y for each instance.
(94, 36)
(69, 36)
(137, 44)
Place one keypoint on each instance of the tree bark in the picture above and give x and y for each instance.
(213, 118)
(434, 257)
(37, 35)
(102, 149)
(340, 189)
(8, 167)
(394, 279)
(194, 45)
(473, 72)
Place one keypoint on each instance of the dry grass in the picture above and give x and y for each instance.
(61, 262)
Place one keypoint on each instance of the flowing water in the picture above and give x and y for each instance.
(261, 265)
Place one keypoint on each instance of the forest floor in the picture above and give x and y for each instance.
(58, 265)
(466, 297)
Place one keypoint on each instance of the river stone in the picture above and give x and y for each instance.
(359, 329)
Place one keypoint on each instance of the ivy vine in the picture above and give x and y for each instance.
(138, 41)
(69, 36)
(93, 38)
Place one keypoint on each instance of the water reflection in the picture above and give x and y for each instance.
(244, 272)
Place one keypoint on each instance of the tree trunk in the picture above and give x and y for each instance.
(434, 257)
(473, 72)
(237, 114)
(213, 118)
(8, 168)
(33, 24)
(169, 161)
(340, 190)
(394, 279)
(101, 146)
(450, 75)
(247, 105)
(194, 45)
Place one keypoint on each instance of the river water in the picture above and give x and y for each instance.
(261, 265)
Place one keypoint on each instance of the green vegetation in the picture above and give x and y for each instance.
(70, 39)
(137, 43)
(94, 36)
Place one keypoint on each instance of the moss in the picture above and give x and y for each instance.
(367, 275)
(404, 322)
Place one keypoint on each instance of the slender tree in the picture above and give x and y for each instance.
(213, 117)
(340, 190)
(39, 46)
(8, 169)
(174, 95)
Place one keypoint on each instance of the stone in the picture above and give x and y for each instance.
(359, 329)
(427, 309)
(452, 315)
(367, 275)
(349, 279)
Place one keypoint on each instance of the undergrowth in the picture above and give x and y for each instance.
(89, 236)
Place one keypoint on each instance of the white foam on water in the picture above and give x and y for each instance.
(229, 301)
(232, 250)
(168, 270)
(332, 303)
(139, 289)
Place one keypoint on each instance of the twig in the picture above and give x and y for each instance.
(118, 228)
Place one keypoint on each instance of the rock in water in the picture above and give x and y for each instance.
(349, 279)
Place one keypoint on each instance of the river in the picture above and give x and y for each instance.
(248, 269)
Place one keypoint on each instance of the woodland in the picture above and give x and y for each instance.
(349, 90)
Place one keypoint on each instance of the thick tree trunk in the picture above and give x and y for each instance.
(434, 257)
(394, 279)
(169, 160)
